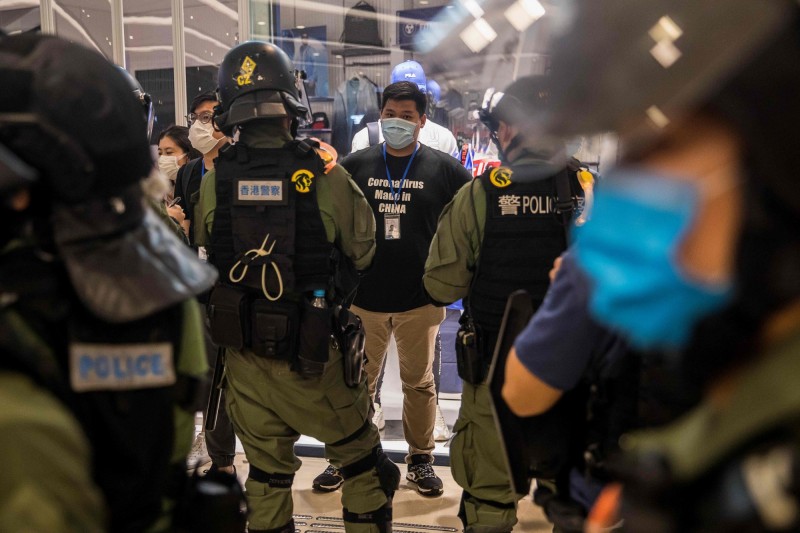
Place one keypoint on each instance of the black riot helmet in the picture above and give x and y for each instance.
(650, 64)
(256, 80)
(144, 98)
(522, 103)
(523, 100)
(69, 114)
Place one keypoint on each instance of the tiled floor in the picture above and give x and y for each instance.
(410, 509)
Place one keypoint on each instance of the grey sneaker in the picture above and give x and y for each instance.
(198, 456)
(328, 481)
(420, 472)
(377, 418)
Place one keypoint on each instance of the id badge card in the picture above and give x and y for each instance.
(391, 227)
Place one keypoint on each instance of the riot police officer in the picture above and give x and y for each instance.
(693, 245)
(97, 296)
(288, 229)
(500, 233)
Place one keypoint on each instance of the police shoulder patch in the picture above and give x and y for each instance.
(500, 177)
(97, 367)
(303, 179)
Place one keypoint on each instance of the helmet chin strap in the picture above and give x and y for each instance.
(512, 145)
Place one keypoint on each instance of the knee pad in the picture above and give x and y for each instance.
(382, 518)
(288, 528)
(484, 516)
(274, 480)
(388, 473)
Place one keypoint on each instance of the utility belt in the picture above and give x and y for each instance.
(472, 366)
(296, 332)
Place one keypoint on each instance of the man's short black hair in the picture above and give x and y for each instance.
(202, 98)
(405, 90)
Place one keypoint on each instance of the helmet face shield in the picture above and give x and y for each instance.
(647, 64)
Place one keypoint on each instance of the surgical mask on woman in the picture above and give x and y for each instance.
(397, 132)
(202, 137)
(168, 164)
(630, 251)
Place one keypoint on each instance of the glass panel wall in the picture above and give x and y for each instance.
(20, 17)
(86, 22)
(149, 54)
(211, 29)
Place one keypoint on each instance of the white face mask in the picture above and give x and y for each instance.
(168, 164)
(202, 137)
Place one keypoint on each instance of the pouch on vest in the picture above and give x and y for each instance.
(228, 313)
(469, 357)
(274, 333)
(315, 339)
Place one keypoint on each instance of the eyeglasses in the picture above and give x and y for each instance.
(204, 117)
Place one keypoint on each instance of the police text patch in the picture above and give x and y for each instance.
(516, 205)
(260, 191)
(95, 367)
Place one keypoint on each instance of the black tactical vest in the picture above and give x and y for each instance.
(268, 196)
(126, 423)
(523, 234)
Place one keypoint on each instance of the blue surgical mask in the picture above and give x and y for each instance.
(397, 132)
(629, 250)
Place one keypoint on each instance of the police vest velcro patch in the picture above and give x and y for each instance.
(260, 192)
(114, 367)
(522, 205)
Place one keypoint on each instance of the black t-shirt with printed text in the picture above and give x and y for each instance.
(394, 283)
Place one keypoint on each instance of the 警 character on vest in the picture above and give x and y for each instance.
(99, 327)
(288, 232)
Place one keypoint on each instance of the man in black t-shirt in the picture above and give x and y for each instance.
(407, 184)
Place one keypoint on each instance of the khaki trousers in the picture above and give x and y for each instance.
(415, 333)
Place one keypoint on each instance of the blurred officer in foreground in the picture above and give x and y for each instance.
(288, 230)
(97, 304)
(500, 233)
(693, 245)
(576, 384)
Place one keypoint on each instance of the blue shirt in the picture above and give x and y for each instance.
(558, 342)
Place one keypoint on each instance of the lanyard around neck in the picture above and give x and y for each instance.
(396, 195)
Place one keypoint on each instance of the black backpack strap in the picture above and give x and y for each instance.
(186, 175)
(564, 202)
(373, 130)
